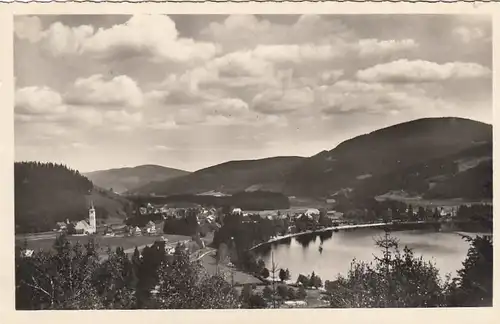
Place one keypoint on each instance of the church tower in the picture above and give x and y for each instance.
(92, 220)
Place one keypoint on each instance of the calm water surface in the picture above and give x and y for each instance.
(301, 254)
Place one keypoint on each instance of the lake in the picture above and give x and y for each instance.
(301, 254)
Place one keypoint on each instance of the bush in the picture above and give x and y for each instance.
(301, 293)
(267, 292)
(282, 291)
(292, 294)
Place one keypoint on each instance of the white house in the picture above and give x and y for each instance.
(150, 227)
(82, 227)
(312, 213)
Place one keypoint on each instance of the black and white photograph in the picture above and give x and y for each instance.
(253, 161)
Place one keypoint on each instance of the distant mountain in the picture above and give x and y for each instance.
(230, 177)
(430, 158)
(46, 193)
(124, 179)
(423, 157)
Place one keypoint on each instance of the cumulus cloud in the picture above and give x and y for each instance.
(38, 100)
(279, 101)
(421, 71)
(331, 75)
(61, 40)
(385, 102)
(28, 28)
(150, 36)
(153, 76)
(248, 31)
(468, 34)
(369, 47)
(118, 92)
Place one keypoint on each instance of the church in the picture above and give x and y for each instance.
(90, 227)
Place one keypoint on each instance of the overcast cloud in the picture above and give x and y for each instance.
(190, 91)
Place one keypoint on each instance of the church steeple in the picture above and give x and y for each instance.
(92, 218)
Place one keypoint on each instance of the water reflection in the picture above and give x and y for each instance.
(330, 253)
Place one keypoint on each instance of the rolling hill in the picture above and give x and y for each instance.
(430, 157)
(230, 177)
(419, 156)
(125, 179)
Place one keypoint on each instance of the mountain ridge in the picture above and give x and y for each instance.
(123, 179)
(365, 159)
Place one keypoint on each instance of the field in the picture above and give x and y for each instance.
(45, 241)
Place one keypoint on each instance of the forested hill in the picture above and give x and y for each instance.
(267, 174)
(46, 193)
(427, 156)
(125, 179)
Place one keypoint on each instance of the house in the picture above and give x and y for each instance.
(137, 231)
(334, 215)
(27, 253)
(313, 212)
(82, 227)
(150, 228)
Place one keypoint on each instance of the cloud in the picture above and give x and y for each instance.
(369, 47)
(151, 36)
(118, 92)
(352, 97)
(311, 37)
(421, 71)
(38, 100)
(279, 101)
(248, 31)
(468, 34)
(331, 75)
(28, 28)
(160, 148)
(60, 40)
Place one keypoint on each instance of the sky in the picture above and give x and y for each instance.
(190, 91)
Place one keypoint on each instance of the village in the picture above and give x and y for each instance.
(155, 225)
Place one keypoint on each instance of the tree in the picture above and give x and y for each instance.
(301, 294)
(267, 292)
(303, 280)
(315, 281)
(265, 273)
(63, 280)
(70, 229)
(287, 274)
(474, 284)
(282, 275)
(246, 293)
(410, 212)
(257, 301)
(283, 291)
(397, 279)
